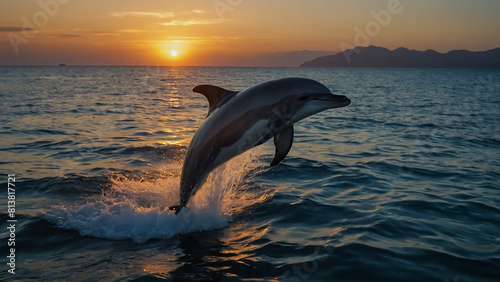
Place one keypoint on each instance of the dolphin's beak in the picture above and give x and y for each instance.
(337, 100)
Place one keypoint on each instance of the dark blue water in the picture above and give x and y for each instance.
(402, 185)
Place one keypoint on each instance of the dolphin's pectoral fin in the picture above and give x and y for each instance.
(283, 143)
(216, 96)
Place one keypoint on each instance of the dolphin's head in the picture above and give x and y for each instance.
(314, 97)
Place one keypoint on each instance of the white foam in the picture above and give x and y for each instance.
(138, 210)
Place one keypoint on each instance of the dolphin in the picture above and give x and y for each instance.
(239, 121)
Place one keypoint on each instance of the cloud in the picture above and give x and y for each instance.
(69, 35)
(131, 30)
(14, 28)
(189, 22)
(105, 33)
(143, 14)
(179, 21)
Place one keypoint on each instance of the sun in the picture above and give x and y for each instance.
(173, 53)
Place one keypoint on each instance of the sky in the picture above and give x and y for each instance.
(233, 32)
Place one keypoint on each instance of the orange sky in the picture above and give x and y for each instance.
(232, 32)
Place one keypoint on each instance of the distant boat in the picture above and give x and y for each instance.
(62, 65)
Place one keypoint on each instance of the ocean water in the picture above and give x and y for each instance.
(401, 185)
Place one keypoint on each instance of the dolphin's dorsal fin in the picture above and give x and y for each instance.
(216, 96)
(283, 143)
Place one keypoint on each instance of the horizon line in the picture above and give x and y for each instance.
(249, 66)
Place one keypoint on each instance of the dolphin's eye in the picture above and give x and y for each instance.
(303, 97)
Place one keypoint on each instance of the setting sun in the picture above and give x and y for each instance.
(173, 53)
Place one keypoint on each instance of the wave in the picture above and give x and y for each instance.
(137, 209)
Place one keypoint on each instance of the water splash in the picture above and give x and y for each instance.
(137, 209)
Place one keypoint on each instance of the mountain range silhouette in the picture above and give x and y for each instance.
(379, 57)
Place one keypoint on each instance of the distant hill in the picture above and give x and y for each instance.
(379, 57)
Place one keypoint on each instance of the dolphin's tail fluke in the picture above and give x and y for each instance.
(176, 209)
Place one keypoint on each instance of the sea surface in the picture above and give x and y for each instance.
(401, 185)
